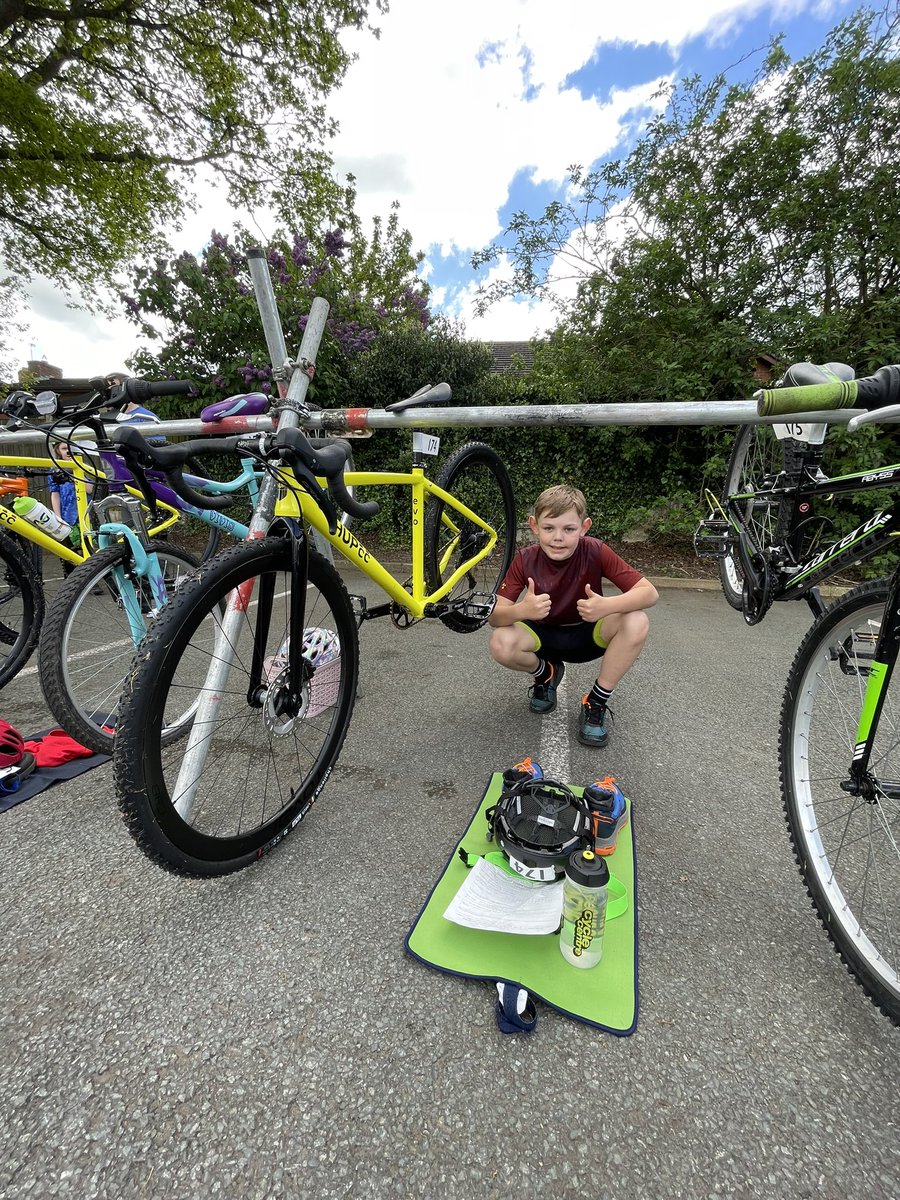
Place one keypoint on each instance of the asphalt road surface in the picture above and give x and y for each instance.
(265, 1035)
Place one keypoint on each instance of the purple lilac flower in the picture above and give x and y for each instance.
(335, 245)
(300, 251)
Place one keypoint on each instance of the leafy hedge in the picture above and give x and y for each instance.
(651, 476)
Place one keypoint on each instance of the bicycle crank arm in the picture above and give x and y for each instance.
(478, 606)
(366, 612)
(747, 553)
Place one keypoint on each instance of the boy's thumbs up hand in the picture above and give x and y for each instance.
(591, 607)
(535, 605)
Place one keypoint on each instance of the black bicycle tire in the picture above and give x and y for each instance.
(730, 575)
(472, 454)
(18, 573)
(143, 794)
(821, 869)
(213, 541)
(54, 654)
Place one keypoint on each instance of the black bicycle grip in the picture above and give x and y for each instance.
(350, 505)
(140, 390)
(64, 387)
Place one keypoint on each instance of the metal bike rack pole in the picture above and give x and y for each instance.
(268, 309)
(350, 420)
(278, 353)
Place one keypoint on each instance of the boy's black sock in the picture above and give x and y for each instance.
(598, 695)
(544, 672)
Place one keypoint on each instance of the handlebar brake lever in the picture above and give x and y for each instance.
(889, 416)
(309, 481)
(134, 465)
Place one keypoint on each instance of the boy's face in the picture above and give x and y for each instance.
(559, 536)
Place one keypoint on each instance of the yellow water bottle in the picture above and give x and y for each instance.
(585, 896)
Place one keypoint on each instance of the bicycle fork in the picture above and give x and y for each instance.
(861, 781)
(280, 700)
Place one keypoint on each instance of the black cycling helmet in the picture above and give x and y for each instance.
(537, 824)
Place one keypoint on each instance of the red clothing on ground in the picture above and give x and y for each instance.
(56, 748)
(592, 562)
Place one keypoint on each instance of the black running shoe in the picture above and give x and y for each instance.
(542, 696)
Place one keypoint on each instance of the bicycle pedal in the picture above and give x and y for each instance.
(478, 606)
(712, 538)
(359, 604)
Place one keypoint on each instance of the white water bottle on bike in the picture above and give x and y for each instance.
(42, 517)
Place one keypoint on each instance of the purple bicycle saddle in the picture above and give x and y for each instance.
(249, 405)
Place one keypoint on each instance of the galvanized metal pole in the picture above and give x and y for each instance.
(293, 394)
(358, 420)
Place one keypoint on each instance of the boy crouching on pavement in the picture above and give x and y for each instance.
(551, 610)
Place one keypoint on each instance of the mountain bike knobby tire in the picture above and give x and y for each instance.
(846, 846)
(475, 475)
(261, 770)
(21, 607)
(87, 643)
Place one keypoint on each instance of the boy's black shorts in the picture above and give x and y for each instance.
(567, 643)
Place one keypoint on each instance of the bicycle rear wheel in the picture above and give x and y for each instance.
(757, 458)
(847, 847)
(21, 607)
(474, 475)
(88, 640)
(249, 771)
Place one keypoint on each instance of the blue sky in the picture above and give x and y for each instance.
(471, 110)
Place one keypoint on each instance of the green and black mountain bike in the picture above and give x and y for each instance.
(839, 741)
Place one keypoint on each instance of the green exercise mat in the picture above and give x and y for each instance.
(604, 996)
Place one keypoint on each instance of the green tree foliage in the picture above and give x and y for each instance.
(204, 312)
(760, 215)
(108, 107)
(763, 214)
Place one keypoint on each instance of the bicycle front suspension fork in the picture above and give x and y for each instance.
(880, 672)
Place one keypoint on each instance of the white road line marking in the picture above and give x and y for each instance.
(554, 756)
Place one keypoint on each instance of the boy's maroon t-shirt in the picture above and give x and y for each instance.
(592, 562)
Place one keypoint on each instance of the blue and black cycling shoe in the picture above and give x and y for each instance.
(542, 696)
(526, 769)
(609, 813)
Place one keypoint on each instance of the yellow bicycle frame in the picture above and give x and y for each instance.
(347, 544)
(83, 474)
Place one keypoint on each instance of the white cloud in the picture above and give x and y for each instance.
(441, 113)
(76, 341)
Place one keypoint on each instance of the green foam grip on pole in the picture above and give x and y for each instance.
(811, 397)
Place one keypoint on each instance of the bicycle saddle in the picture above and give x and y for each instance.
(803, 373)
(438, 394)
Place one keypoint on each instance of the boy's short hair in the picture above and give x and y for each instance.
(554, 501)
